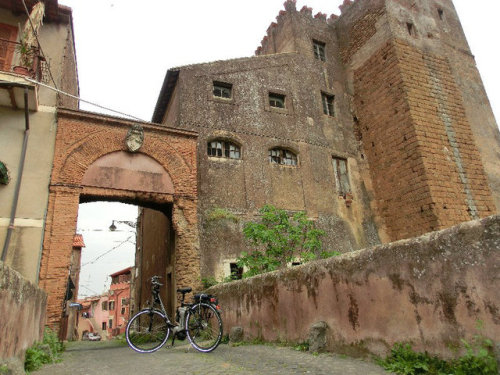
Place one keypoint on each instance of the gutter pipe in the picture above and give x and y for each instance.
(19, 176)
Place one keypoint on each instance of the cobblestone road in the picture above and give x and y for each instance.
(104, 358)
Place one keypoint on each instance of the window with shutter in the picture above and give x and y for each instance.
(8, 35)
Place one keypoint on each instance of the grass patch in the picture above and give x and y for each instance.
(477, 360)
(47, 351)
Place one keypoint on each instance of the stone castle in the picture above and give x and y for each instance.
(374, 122)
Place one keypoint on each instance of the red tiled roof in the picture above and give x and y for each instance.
(78, 241)
(126, 270)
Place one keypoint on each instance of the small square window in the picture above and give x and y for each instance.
(328, 101)
(223, 90)
(236, 271)
(276, 100)
(319, 50)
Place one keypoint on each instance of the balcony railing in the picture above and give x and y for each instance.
(11, 56)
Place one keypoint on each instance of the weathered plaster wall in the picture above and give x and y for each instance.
(22, 312)
(242, 186)
(431, 290)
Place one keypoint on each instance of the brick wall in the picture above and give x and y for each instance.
(82, 138)
(426, 169)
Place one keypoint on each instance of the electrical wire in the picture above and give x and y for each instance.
(83, 100)
(105, 253)
(38, 41)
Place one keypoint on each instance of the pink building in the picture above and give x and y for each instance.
(119, 302)
(94, 316)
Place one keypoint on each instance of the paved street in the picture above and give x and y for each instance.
(105, 358)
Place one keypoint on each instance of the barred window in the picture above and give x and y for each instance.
(282, 156)
(276, 100)
(223, 149)
(328, 101)
(319, 50)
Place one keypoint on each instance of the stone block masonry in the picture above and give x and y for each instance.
(430, 290)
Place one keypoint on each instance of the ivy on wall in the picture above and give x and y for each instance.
(4, 174)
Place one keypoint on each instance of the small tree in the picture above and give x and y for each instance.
(279, 238)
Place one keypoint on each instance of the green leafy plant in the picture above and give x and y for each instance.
(302, 346)
(47, 351)
(209, 281)
(278, 239)
(478, 360)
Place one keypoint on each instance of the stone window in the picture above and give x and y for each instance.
(328, 101)
(110, 323)
(223, 90)
(341, 176)
(440, 14)
(319, 50)
(276, 100)
(103, 326)
(411, 28)
(236, 272)
(282, 156)
(223, 149)
(122, 312)
(111, 305)
(104, 305)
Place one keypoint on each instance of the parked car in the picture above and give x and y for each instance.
(94, 336)
(91, 336)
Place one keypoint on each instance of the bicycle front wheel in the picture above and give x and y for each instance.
(204, 327)
(147, 331)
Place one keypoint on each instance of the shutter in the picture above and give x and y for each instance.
(7, 34)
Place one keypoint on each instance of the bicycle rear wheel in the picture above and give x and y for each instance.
(147, 331)
(204, 327)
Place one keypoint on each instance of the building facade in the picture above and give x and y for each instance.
(119, 301)
(374, 122)
(29, 123)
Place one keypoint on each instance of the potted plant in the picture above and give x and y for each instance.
(25, 53)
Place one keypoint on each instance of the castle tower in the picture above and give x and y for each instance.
(421, 113)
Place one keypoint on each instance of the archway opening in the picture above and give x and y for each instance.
(109, 276)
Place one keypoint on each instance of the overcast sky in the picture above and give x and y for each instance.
(125, 47)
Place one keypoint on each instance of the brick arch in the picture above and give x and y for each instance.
(85, 144)
(81, 155)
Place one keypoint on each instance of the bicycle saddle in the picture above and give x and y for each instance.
(184, 290)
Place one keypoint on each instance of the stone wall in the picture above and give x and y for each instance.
(22, 312)
(431, 290)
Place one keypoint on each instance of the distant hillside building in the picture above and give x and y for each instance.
(375, 122)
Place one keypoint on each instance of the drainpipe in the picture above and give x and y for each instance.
(19, 176)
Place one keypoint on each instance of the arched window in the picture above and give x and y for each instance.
(223, 149)
(282, 156)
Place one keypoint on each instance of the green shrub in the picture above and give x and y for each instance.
(478, 360)
(47, 351)
(278, 238)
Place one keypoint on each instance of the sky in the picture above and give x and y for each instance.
(125, 47)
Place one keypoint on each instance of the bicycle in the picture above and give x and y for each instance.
(149, 329)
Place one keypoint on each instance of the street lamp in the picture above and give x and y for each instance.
(112, 227)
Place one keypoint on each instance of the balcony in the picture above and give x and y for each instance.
(13, 73)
